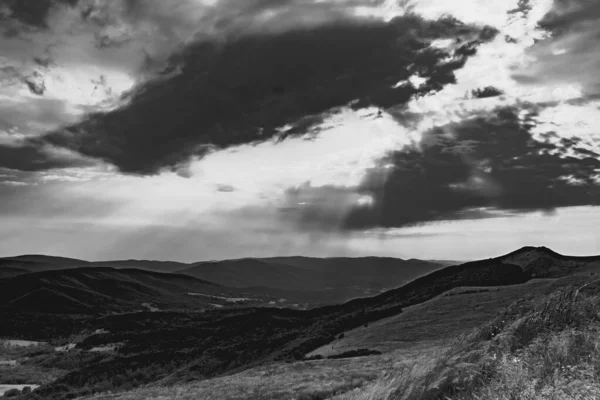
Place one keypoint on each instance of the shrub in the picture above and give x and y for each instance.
(315, 357)
(355, 353)
(12, 393)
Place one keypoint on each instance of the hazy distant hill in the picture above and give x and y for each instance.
(445, 263)
(305, 281)
(38, 263)
(356, 276)
(102, 290)
(149, 265)
(40, 258)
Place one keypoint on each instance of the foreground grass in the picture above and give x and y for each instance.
(538, 349)
(307, 380)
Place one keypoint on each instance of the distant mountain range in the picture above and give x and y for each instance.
(355, 275)
(303, 280)
(39, 263)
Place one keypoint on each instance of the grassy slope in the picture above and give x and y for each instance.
(274, 382)
(541, 347)
(444, 316)
(441, 318)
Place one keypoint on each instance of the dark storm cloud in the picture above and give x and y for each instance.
(570, 15)
(243, 89)
(488, 161)
(571, 52)
(32, 12)
(36, 157)
(466, 170)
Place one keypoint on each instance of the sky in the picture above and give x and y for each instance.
(212, 129)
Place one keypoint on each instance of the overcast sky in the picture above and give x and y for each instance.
(208, 129)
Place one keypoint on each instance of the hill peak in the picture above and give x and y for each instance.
(544, 262)
(533, 249)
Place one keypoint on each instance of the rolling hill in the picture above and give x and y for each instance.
(39, 263)
(300, 281)
(102, 290)
(147, 265)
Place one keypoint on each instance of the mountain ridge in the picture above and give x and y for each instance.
(358, 276)
(303, 280)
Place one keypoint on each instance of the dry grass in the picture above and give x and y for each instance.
(540, 349)
(308, 380)
(442, 318)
